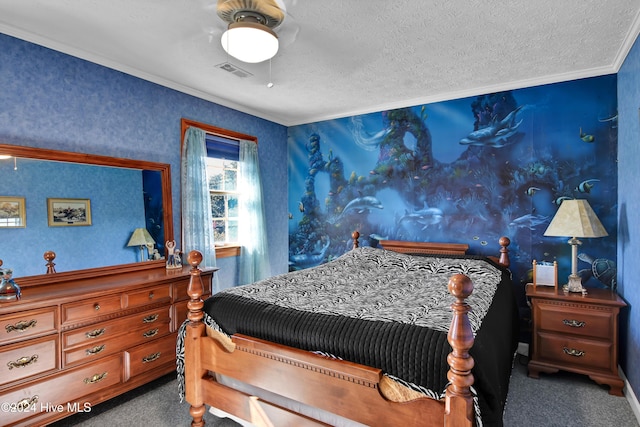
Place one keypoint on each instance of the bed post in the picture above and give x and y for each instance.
(194, 331)
(504, 252)
(355, 236)
(458, 410)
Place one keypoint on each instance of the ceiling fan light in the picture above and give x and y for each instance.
(250, 42)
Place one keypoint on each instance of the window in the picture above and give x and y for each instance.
(223, 152)
(222, 176)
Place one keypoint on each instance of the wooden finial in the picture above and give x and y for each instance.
(459, 400)
(355, 236)
(49, 256)
(195, 289)
(504, 252)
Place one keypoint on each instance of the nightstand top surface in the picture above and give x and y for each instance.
(594, 295)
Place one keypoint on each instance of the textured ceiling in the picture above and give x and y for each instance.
(341, 58)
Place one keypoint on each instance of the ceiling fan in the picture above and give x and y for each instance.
(250, 35)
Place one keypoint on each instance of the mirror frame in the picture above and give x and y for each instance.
(98, 160)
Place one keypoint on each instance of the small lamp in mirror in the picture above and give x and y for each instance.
(141, 238)
(575, 218)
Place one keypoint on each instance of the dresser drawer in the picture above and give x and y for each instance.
(180, 290)
(90, 308)
(146, 357)
(28, 324)
(37, 356)
(569, 352)
(148, 296)
(123, 333)
(68, 387)
(106, 330)
(593, 322)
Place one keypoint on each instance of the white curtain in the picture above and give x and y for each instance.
(252, 232)
(197, 226)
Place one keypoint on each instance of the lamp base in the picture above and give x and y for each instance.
(575, 284)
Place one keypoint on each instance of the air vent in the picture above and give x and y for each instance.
(230, 68)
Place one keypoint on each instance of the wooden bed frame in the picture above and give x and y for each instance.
(347, 389)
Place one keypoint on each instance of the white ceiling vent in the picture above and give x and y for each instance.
(226, 66)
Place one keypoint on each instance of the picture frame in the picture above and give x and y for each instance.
(545, 273)
(68, 212)
(12, 212)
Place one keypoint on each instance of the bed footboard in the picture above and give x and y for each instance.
(347, 389)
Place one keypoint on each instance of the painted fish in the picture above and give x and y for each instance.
(531, 191)
(585, 137)
(586, 186)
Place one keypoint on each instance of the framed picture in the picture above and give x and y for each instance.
(12, 212)
(68, 212)
(545, 273)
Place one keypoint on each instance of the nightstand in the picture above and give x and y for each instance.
(577, 333)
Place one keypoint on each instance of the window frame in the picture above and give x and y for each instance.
(228, 250)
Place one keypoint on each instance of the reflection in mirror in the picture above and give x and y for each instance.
(122, 197)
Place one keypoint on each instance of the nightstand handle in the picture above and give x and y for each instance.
(574, 323)
(573, 352)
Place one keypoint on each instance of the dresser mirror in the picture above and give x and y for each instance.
(122, 195)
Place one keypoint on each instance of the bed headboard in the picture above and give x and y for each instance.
(425, 247)
(437, 248)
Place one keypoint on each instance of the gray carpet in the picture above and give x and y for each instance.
(562, 399)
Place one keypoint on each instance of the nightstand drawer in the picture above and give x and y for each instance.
(20, 361)
(91, 308)
(595, 322)
(19, 326)
(575, 352)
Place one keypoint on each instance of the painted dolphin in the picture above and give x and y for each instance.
(497, 134)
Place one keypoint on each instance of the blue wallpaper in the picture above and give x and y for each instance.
(629, 212)
(52, 100)
(114, 215)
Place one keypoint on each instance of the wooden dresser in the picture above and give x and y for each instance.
(77, 339)
(577, 333)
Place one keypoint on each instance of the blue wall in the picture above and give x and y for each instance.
(52, 100)
(629, 211)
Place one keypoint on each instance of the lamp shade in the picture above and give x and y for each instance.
(140, 237)
(250, 42)
(575, 218)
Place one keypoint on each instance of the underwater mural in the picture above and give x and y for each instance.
(468, 171)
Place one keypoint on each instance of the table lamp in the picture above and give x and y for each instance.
(142, 238)
(574, 219)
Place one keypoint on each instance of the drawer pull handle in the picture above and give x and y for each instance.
(96, 378)
(151, 295)
(25, 403)
(573, 352)
(96, 307)
(151, 318)
(151, 357)
(95, 333)
(574, 323)
(22, 362)
(21, 326)
(95, 350)
(150, 333)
